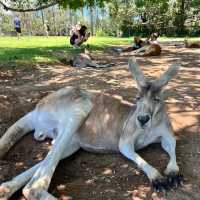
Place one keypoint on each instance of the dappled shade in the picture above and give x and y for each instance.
(94, 176)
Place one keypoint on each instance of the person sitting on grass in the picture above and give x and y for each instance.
(79, 37)
(151, 47)
(139, 43)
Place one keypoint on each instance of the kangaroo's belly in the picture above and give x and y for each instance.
(98, 139)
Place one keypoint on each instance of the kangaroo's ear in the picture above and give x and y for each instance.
(167, 76)
(137, 73)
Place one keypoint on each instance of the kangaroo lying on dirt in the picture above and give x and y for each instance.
(81, 60)
(96, 122)
(191, 44)
(85, 60)
(149, 50)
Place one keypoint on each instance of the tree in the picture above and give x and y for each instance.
(34, 5)
(121, 14)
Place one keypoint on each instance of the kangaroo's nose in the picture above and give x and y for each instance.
(143, 119)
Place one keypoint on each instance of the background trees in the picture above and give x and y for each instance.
(105, 17)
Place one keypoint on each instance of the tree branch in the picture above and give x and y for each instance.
(29, 9)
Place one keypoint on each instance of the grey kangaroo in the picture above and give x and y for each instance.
(97, 122)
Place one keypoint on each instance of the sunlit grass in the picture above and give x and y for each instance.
(38, 49)
(31, 50)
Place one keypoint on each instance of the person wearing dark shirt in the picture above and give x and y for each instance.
(137, 43)
(79, 37)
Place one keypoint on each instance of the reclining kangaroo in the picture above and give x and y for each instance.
(96, 122)
(191, 44)
(85, 60)
(148, 50)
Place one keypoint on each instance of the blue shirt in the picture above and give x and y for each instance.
(17, 23)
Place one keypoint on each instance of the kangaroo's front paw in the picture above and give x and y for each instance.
(160, 185)
(175, 180)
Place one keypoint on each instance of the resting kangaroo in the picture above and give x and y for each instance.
(148, 50)
(85, 60)
(96, 122)
(191, 44)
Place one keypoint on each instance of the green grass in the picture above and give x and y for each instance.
(29, 50)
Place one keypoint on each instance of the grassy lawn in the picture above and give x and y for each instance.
(27, 50)
(31, 50)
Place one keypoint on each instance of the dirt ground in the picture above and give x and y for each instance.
(86, 176)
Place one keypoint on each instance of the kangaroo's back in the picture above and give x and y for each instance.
(153, 50)
(191, 44)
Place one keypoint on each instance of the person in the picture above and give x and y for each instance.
(119, 33)
(78, 26)
(79, 37)
(46, 28)
(17, 26)
(152, 39)
(144, 17)
(137, 43)
(151, 47)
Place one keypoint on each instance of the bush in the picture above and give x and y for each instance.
(104, 33)
(101, 33)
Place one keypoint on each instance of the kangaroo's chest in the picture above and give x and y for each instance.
(146, 138)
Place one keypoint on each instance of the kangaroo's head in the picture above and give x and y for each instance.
(87, 49)
(150, 102)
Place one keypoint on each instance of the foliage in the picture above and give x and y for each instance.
(101, 33)
(33, 5)
(132, 17)
(169, 17)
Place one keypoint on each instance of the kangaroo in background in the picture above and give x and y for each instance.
(149, 50)
(97, 122)
(191, 44)
(85, 60)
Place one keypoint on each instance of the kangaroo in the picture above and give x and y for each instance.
(149, 50)
(85, 60)
(190, 44)
(96, 122)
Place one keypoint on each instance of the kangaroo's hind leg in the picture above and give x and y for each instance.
(96, 65)
(7, 189)
(15, 132)
(66, 132)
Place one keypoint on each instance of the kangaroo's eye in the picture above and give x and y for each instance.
(138, 98)
(156, 99)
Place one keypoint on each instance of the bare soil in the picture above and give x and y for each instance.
(86, 176)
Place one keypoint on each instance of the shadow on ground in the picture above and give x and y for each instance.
(107, 177)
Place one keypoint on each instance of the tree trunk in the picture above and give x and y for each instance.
(42, 17)
(70, 17)
(91, 20)
(54, 21)
(180, 17)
